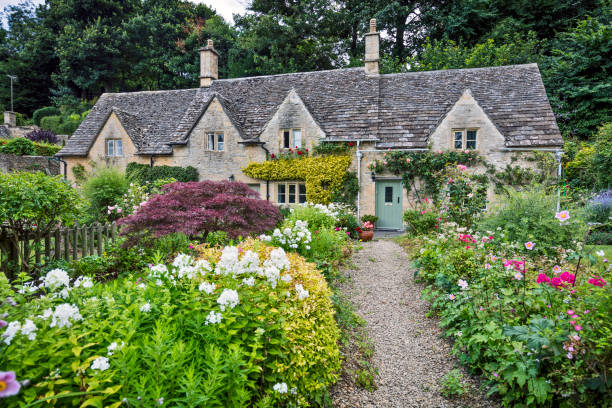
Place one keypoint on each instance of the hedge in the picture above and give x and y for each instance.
(40, 148)
(322, 174)
(41, 113)
(143, 172)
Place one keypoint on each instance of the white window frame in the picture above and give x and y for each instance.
(296, 138)
(114, 148)
(220, 142)
(298, 196)
(464, 141)
(215, 141)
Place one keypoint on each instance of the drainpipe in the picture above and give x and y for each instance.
(57, 158)
(267, 181)
(151, 160)
(559, 169)
(359, 155)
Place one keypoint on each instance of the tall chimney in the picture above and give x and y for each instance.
(209, 64)
(372, 42)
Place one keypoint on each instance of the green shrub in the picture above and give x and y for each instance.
(217, 238)
(143, 173)
(19, 146)
(530, 216)
(452, 384)
(67, 127)
(369, 218)
(347, 192)
(166, 339)
(347, 221)
(316, 219)
(41, 113)
(103, 189)
(51, 123)
(46, 149)
(420, 221)
(92, 266)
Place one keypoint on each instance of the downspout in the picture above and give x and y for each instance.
(151, 160)
(267, 181)
(359, 155)
(559, 169)
(63, 162)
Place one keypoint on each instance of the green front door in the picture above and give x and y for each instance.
(389, 204)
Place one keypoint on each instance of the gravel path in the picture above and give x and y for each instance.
(409, 355)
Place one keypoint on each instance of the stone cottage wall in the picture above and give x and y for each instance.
(11, 162)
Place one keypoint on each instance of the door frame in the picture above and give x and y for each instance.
(377, 191)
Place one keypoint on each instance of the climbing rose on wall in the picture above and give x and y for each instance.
(198, 208)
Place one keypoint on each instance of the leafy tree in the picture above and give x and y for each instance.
(34, 203)
(198, 208)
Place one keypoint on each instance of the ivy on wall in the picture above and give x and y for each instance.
(322, 174)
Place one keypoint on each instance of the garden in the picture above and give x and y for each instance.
(226, 304)
(522, 291)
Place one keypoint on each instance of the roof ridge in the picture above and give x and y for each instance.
(532, 64)
(290, 73)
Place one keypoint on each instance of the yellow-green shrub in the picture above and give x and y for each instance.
(322, 174)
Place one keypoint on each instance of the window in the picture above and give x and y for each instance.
(291, 138)
(215, 141)
(465, 139)
(388, 195)
(255, 187)
(114, 148)
(291, 193)
(220, 142)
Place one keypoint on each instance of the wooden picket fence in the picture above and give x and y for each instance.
(60, 243)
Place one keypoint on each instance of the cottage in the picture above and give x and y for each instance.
(225, 124)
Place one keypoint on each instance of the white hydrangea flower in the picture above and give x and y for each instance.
(228, 298)
(29, 329)
(182, 260)
(11, 331)
(113, 346)
(286, 278)
(188, 272)
(56, 279)
(272, 274)
(100, 363)
(227, 264)
(281, 388)
(278, 258)
(46, 314)
(27, 288)
(146, 307)
(293, 391)
(213, 318)
(203, 265)
(249, 263)
(83, 281)
(206, 287)
(249, 281)
(63, 314)
(301, 292)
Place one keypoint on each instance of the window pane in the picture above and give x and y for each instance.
(291, 193)
(281, 194)
(471, 139)
(254, 187)
(297, 138)
(458, 140)
(388, 194)
(211, 141)
(110, 150)
(118, 148)
(220, 142)
(302, 191)
(286, 141)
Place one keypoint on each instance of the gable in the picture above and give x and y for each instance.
(112, 129)
(466, 113)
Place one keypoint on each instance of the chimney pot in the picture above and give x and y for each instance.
(209, 64)
(372, 45)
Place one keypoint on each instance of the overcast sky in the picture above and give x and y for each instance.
(224, 7)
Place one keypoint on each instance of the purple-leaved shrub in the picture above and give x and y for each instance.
(198, 208)
(41, 135)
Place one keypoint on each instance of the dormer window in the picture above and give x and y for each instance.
(291, 138)
(465, 139)
(215, 142)
(114, 148)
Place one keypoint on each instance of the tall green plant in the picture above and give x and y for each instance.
(103, 189)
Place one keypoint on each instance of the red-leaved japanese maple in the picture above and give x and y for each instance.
(198, 208)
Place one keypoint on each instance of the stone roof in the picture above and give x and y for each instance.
(398, 110)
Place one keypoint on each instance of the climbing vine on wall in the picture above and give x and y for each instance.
(323, 175)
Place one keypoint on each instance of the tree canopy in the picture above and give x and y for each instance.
(67, 50)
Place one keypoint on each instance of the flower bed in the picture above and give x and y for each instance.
(536, 328)
(243, 326)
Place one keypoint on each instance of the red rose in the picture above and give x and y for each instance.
(351, 144)
(299, 152)
(272, 156)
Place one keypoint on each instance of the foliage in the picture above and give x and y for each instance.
(369, 218)
(44, 112)
(313, 215)
(51, 123)
(42, 136)
(533, 327)
(34, 203)
(137, 195)
(198, 208)
(347, 221)
(46, 149)
(143, 173)
(464, 196)
(79, 173)
(19, 146)
(347, 193)
(103, 189)
(326, 148)
(452, 384)
(322, 174)
(421, 221)
(526, 216)
(598, 214)
(272, 342)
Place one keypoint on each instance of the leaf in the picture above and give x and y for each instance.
(112, 390)
(539, 388)
(93, 402)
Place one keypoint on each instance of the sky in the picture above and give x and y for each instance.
(224, 7)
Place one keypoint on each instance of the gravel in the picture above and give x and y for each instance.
(409, 355)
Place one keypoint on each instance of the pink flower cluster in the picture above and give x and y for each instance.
(564, 280)
(573, 346)
(513, 263)
(467, 238)
(597, 281)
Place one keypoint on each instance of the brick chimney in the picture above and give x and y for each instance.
(372, 42)
(209, 64)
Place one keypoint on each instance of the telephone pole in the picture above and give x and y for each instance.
(13, 78)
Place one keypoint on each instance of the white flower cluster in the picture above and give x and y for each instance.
(100, 363)
(146, 308)
(333, 209)
(301, 292)
(273, 267)
(114, 346)
(231, 264)
(13, 328)
(291, 237)
(63, 314)
(182, 267)
(207, 288)
(57, 282)
(83, 281)
(228, 298)
(281, 388)
(213, 318)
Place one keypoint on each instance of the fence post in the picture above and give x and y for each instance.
(113, 230)
(37, 249)
(57, 252)
(66, 235)
(92, 240)
(99, 234)
(75, 237)
(47, 246)
(84, 232)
